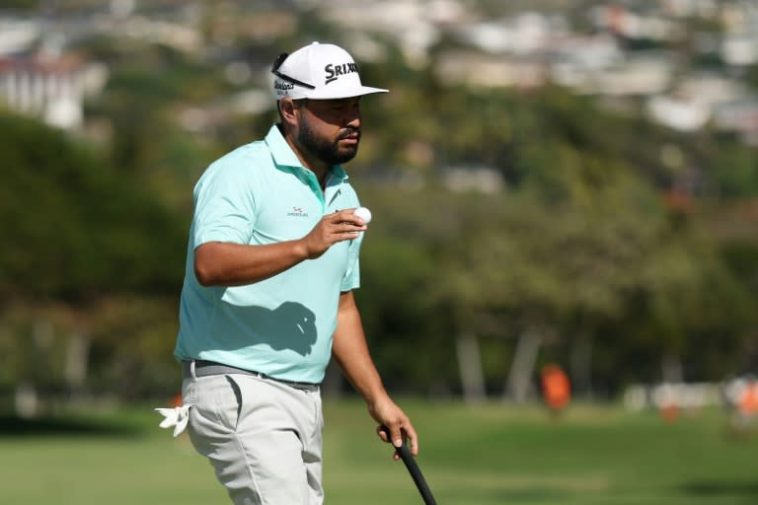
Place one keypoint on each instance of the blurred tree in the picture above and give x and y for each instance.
(400, 265)
(578, 254)
(732, 167)
(76, 234)
(150, 87)
(77, 230)
(564, 257)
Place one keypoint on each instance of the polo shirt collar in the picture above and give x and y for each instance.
(284, 156)
(280, 150)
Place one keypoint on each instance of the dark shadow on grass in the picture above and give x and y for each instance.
(721, 487)
(16, 427)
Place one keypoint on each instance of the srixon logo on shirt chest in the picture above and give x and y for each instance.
(334, 71)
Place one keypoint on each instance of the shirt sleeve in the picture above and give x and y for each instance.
(225, 203)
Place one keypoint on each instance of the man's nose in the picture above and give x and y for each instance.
(353, 119)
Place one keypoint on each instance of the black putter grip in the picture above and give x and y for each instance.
(414, 470)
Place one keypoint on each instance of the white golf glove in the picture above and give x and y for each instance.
(178, 417)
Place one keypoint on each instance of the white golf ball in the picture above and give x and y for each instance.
(363, 213)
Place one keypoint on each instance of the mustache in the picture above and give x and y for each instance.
(349, 132)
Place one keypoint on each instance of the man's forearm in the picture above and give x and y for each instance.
(352, 354)
(229, 264)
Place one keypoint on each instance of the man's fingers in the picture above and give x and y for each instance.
(412, 439)
(343, 222)
(386, 436)
(349, 228)
(406, 434)
(345, 216)
(393, 435)
(396, 435)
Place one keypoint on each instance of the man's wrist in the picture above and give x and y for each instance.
(376, 397)
(300, 249)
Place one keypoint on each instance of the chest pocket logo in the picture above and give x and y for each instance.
(297, 212)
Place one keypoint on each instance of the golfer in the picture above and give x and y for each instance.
(267, 299)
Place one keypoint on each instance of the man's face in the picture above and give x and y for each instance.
(330, 129)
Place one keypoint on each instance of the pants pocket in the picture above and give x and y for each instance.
(231, 407)
(216, 404)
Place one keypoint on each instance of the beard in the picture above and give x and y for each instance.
(328, 151)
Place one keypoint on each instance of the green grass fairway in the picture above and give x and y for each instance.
(494, 454)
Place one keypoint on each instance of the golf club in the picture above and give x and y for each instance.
(413, 469)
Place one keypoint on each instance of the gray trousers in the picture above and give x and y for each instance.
(263, 437)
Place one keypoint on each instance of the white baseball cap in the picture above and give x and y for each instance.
(320, 72)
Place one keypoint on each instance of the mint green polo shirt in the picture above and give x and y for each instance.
(282, 326)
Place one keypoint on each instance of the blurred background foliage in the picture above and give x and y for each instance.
(621, 250)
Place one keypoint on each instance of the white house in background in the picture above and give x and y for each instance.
(692, 102)
(688, 8)
(678, 113)
(739, 116)
(49, 88)
(487, 71)
(18, 34)
(640, 75)
(596, 65)
(634, 25)
(522, 34)
(574, 58)
(711, 88)
(183, 36)
(475, 179)
(739, 46)
(589, 52)
(413, 24)
(740, 50)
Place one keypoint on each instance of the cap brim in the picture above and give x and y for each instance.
(327, 94)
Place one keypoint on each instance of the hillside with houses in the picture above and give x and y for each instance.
(552, 181)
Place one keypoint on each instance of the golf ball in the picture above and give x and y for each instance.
(363, 213)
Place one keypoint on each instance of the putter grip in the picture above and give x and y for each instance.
(415, 471)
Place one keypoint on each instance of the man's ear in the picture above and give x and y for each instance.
(288, 111)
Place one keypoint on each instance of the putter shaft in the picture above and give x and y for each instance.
(414, 470)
